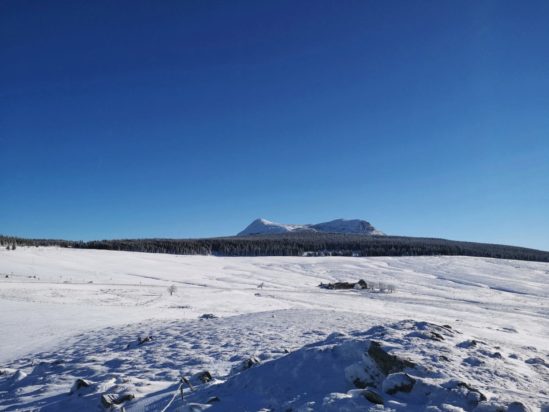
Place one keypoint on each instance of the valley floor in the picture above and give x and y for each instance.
(69, 314)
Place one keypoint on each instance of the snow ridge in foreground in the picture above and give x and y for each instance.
(408, 365)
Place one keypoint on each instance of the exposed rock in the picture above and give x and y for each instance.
(468, 344)
(465, 385)
(436, 336)
(429, 335)
(386, 362)
(373, 397)
(110, 399)
(398, 382)
(204, 377)
(473, 396)
(142, 340)
(433, 331)
(80, 384)
(207, 316)
(250, 362)
(213, 399)
(537, 361)
(125, 397)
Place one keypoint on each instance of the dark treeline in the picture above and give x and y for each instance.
(299, 244)
(19, 241)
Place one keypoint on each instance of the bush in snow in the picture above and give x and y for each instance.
(172, 289)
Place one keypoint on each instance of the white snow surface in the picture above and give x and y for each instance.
(468, 326)
(350, 226)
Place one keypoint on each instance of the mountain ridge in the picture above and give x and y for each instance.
(262, 226)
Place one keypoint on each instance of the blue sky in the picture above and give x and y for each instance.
(192, 118)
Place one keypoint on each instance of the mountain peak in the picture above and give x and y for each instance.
(262, 226)
(262, 221)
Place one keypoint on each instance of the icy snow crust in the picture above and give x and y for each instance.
(470, 333)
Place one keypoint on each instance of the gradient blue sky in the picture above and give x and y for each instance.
(191, 118)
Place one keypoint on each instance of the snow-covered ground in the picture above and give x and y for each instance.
(69, 314)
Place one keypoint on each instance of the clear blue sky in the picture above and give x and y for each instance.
(191, 118)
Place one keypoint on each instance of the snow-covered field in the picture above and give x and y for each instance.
(68, 314)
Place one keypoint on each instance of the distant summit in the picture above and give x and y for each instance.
(351, 226)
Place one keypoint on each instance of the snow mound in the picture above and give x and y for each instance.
(252, 362)
(406, 366)
(352, 226)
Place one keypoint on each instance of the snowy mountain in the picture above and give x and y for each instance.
(348, 226)
(354, 226)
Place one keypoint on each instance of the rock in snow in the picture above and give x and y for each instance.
(398, 382)
(79, 385)
(353, 226)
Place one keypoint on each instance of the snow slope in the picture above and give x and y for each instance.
(353, 226)
(57, 327)
(264, 226)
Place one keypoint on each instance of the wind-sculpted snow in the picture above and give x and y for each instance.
(107, 318)
(404, 366)
(409, 365)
